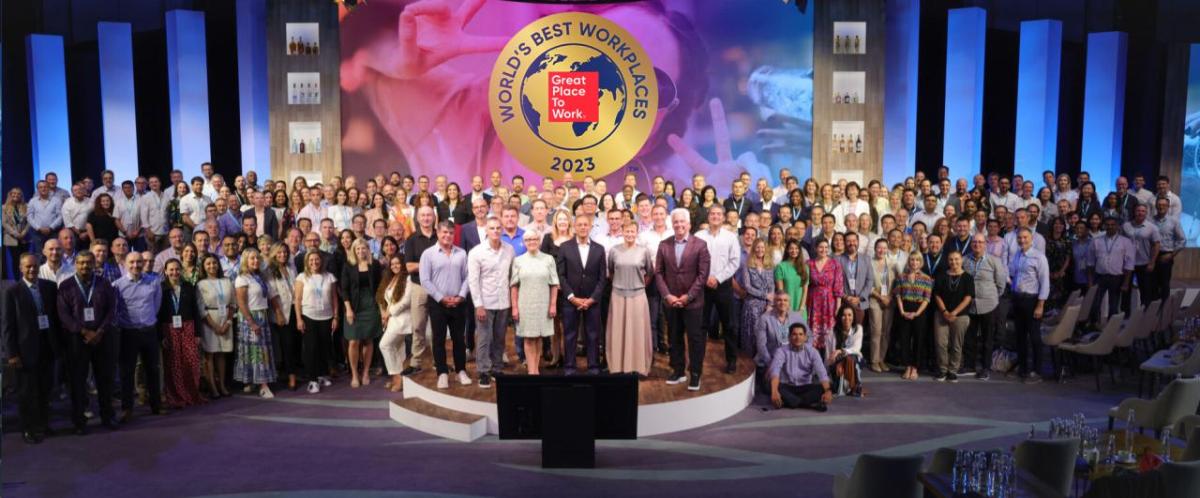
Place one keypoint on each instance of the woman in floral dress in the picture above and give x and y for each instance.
(825, 288)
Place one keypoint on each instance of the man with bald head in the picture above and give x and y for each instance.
(990, 276)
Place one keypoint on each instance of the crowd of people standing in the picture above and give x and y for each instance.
(181, 287)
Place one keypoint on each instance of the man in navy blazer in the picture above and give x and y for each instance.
(582, 278)
(468, 235)
(32, 339)
(681, 269)
(858, 279)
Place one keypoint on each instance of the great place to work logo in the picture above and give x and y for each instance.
(573, 92)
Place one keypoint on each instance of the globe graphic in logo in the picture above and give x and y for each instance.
(535, 97)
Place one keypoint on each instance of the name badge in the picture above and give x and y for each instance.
(89, 314)
(43, 322)
(853, 284)
(176, 321)
(883, 290)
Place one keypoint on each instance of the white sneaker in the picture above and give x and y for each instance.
(265, 393)
(443, 381)
(463, 378)
(314, 387)
(325, 382)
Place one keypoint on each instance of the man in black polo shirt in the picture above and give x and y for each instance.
(422, 238)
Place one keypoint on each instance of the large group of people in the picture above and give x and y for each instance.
(177, 288)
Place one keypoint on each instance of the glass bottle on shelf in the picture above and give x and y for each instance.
(837, 98)
(846, 98)
(856, 44)
(837, 44)
(295, 146)
(858, 145)
(316, 48)
(834, 142)
(291, 50)
(854, 98)
(295, 95)
(302, 146)
(317, 145)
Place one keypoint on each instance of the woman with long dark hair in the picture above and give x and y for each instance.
(1058, 254)
(394, 306)
(215, 296)
(177, 317)
(825, 289)
(791, 277)
(101, 224)
(847, 356)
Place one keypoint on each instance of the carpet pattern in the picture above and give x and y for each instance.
(342, 443)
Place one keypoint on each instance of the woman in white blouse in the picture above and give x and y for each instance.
(282, 278)
(255, 363)
(313, 298)
(394, 307)
(341, 213)
(215, 293)
(846, 358)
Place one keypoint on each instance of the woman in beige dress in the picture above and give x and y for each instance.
(630, 266)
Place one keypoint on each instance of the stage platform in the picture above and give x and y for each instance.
(466, 413)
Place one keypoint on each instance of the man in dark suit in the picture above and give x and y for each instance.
(263, 215)
(477, 192)
(581, 276)
(468, 233)
(681, 269)
(32, 343)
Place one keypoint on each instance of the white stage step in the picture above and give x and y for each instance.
(438, 421)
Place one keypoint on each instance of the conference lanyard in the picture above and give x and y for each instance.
(975, 268)
(1085, 206)
(958, 245)
(175, 300)
(87, 295)
(932, 266)
(1108, 244)
(737, 205)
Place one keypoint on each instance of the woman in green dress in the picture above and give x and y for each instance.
(791, 276)
(360, 276)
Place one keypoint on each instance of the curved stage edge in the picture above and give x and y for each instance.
(461, 411)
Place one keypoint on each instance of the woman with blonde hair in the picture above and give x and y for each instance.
(282, 279)
(561, 230)
(254, 363)
(630, 341)
(394, 306)
(316, 298)
(16, 227)
(758, 281)
(361, 275)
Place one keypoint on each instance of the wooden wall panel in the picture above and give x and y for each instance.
(327, 62)
(825, 111)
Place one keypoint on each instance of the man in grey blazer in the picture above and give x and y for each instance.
(857, 273)
(991, 276)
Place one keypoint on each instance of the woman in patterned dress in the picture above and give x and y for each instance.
(177, 317)
(534, 295)
(758, 281)
(825, 288)
(254, 363)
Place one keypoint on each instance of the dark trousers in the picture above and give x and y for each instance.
(143, 342)
(1145, 285)
(572, 318)
(1029, 333)
(314, 346)
(656, 306)
(454, 321)
(977, 348)
(1107, 285)
(722, 301)
(33, 391)
(806, 396)
(910, 338)
(681, 323)
(1162, 277)
(287, 345)
(100, 359)
(12, 256)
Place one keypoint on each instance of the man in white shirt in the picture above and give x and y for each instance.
(313, 210)
(929, 216)
(614, 236)
(125, 210)
(1012, 244)
(191, 207)
(1164, 190)
(1002, 197)
(53, 269)
(781, 191)
(538, 211)
(76, 210)
(1146, 239)
(488, 267)
(152, 215)
(107, 186)
(726, 256)
(1144, 195)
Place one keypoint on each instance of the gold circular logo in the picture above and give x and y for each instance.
(573, 93)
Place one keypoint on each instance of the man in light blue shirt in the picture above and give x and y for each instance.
(792, 370)
(1030, 273)
(443, 271)
(1171, 240)
(45, 217)
(138, 298)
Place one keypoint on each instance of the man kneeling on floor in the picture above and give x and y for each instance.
(792, 370)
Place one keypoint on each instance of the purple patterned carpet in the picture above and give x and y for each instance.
(342, 443)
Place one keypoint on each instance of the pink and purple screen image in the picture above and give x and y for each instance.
(735, 86)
